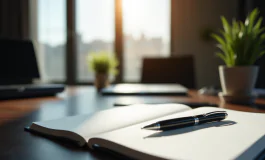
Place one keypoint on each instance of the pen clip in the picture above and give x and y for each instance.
(215, 112)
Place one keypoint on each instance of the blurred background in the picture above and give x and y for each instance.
(64, 32)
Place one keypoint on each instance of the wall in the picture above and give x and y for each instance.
(191, 18)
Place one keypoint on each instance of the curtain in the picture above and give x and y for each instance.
(14, 19)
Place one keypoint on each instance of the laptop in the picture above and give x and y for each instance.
(145, 89)
(18, 69)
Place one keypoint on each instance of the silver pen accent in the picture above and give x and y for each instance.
(152, 126)
(196, 120)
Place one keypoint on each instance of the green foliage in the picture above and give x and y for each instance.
(241, 43)
(103, 62)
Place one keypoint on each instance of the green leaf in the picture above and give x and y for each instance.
(222, 56)
(251, 19)
(218, 39)
(235, 29)
(255, 52)
(226, 25)
(262, 37)
(227, 36)
(258, 24)
(261, 53)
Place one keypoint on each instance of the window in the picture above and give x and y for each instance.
(146, 29)
(52, 38)
(146, 32)
(95, 32)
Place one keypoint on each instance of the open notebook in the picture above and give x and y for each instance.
(239, 136)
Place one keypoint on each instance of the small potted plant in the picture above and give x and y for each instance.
(103, 64)
(241, 44)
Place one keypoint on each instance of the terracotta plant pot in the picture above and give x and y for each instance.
(101, 81)
(238, 81)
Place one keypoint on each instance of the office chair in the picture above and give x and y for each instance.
(169, 70)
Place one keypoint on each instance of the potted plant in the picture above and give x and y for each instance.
(103, 64)
(241, 44)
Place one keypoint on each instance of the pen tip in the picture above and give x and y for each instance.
(151, 127)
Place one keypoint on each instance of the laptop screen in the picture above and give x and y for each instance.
(18, 64)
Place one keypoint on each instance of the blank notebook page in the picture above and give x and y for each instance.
(92, 124)
(240, 135)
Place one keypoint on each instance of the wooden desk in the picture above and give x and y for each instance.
(16, 114)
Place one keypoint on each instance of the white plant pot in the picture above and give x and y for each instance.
(238, 81)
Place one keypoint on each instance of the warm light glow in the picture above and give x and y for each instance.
(131, 14)
(146, 26)
(150, 17)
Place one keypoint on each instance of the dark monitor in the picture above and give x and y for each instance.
(18, 64)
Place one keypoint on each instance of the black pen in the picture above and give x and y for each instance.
(187, 121)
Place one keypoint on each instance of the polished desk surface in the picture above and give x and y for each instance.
(15, 143)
